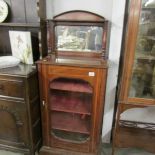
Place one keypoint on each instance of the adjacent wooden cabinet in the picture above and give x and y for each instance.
(20, 122)
(19, 96)
(135, 122)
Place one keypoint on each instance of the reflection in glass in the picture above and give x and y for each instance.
(143, 74)
(79, 38)
(74, 137)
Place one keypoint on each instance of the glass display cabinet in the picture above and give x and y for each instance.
(135, 124)
(72, 84)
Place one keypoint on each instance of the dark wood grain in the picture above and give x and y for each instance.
(20, 127)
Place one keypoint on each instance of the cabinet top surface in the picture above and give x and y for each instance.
(21, 70)
(77, 62)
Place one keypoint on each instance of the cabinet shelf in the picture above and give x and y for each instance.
(70, 122)
(70, 104)
(148, 8)
(151, 38)
(147, 22)
(35, 25)
(145, 57)
(71, 86)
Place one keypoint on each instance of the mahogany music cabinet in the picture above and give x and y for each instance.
(72, 84)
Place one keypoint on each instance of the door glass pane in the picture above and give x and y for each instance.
(70, 102)
(143, 73)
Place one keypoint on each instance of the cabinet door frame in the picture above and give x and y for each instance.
(130, 45)
(91, 81)
(98, 83)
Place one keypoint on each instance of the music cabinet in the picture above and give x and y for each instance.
(72, 84)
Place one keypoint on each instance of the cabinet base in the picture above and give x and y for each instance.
(56, 151)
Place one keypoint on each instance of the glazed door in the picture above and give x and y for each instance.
(70, 102)
(72, 106)
(70, 111)
(143, 72)
(140, 55)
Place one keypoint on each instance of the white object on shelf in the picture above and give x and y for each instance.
(8, 61)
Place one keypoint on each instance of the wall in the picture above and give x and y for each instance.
(101, 7)
(114, 55)
(112, 10)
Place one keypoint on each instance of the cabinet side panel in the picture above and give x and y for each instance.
(42, 84)
(98, 107)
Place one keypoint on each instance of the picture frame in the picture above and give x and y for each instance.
(21, 46)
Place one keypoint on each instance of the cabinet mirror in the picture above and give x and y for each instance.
(79, 38)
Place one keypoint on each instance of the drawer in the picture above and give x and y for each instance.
(71, 70)
(12, 88)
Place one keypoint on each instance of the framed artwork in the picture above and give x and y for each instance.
(21, 46)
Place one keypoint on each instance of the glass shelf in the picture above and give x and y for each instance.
(145, 57)
(70, 122)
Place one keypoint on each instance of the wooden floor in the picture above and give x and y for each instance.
(106, 150)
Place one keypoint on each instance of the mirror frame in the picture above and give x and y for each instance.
(77, 18)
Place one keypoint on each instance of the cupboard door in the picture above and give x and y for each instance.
(13, 126)
(142, 83)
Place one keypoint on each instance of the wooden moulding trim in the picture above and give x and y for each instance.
(79, 15)
(141, 101)
(124, 107)
(30, 25)
(84, 54)
(138, 101)
(130, 44)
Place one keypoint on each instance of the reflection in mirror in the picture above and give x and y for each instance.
(79, 38)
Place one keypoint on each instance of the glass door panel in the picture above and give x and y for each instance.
(70, 102)
(143, 73)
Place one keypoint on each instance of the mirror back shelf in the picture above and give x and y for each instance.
(78, 34)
